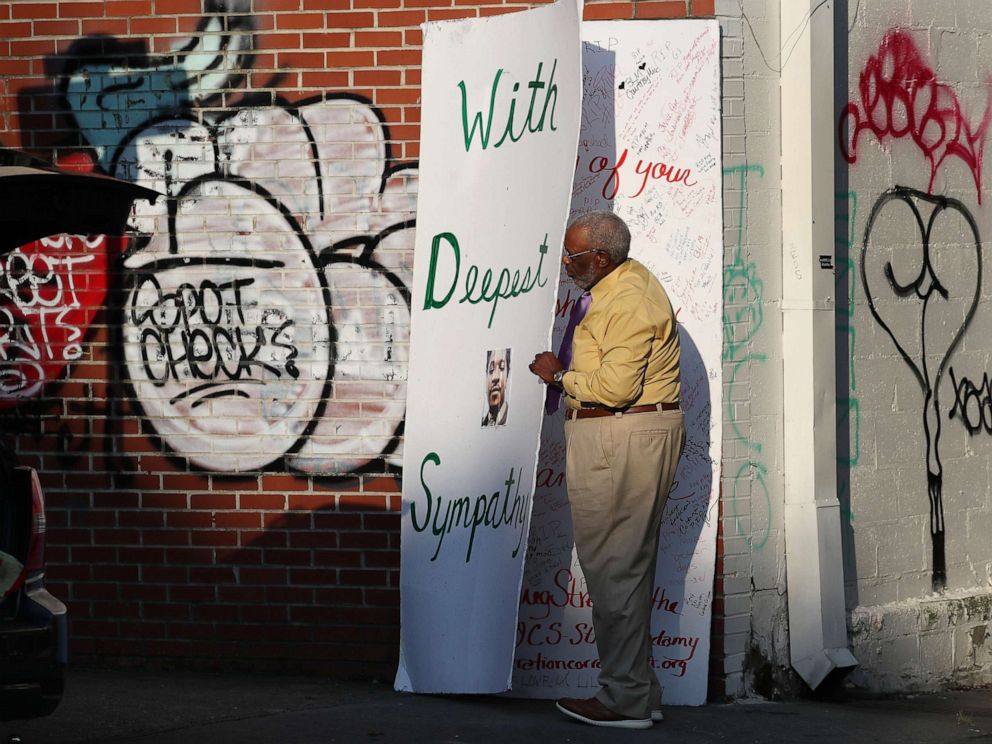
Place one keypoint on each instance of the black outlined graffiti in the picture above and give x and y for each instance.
(260, 311)
(972, 403)
(339, 221)
(210, 326)
(227, 334)
(903, 254)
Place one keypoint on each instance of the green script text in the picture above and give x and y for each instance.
(529, 124)
(507, 285)
(460, 512)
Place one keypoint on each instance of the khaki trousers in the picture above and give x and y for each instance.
(619, 470)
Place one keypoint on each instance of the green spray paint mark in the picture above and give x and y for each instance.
(760, 471)
(741, 283)
(743, 316)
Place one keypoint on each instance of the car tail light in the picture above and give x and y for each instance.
(29, 547)
(36, 550)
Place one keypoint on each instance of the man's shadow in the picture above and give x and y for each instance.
(691, 505)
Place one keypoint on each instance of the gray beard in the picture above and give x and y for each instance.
(585, 281)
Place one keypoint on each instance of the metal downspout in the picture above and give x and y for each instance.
(815, 580)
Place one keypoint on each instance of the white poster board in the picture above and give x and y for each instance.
(649, 149)
(501, 105)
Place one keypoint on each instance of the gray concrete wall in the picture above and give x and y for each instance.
(919, 341)
(914, 344)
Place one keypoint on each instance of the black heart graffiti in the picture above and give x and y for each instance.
(918, 243)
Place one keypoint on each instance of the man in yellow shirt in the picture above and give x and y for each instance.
(624, 435)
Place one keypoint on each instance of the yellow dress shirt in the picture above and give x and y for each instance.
(625, 351)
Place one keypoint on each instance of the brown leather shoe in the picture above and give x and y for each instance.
(593, 712)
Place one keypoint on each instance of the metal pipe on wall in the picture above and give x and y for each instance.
(814, 561)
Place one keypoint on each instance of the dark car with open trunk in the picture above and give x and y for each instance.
(33, 623)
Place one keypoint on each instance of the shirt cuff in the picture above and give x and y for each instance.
(569, 390)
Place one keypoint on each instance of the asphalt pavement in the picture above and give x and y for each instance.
(170, 707)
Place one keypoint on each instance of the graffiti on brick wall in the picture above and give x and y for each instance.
(743, 316)
(49, 292)
(899, 97)
(265, 300)
(110, 99)
(920, 260)
(921, 267)
(278, 288)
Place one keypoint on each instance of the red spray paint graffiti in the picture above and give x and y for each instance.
(50, 290)
(900, 97)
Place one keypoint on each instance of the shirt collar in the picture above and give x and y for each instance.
(608, 282)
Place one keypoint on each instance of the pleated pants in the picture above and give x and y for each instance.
(619, 470)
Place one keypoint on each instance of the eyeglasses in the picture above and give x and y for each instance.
(569, 257)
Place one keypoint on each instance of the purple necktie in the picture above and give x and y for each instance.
(579, 309)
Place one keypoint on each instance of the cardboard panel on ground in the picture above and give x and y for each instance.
(650, 150)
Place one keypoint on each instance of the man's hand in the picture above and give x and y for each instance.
(545, 365)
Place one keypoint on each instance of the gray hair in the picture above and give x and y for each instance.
(607, 232)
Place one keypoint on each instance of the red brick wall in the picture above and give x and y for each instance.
(167, 544)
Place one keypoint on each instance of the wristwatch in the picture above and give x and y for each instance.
(556, 378)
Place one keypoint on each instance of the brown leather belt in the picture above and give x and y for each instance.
(581, 413)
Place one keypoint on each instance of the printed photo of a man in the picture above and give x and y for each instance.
(497, 387)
